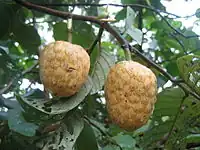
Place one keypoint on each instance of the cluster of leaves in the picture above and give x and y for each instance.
(81, 122)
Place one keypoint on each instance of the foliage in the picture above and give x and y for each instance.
(29, 119)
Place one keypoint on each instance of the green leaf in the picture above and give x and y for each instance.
(3, 115)
(111, 147)
(176, 24)
(82, 33)
(189, 68)
(6, 66)
(170, 43)
(189, 32)
(121, 15)
(197, 13)
(172, 68)
(100, 70)
(125, 141)
(128, 1)
(183, 124)
(63, 138)
(28, 37)
(55, 107)
(193, 138)
(102, 12)
(17, 123)
(130, 17)
(168, 99)
(35, 94)
(5, 16)
(168, 104)
(31, 112)
(87, 139)
(135, 33)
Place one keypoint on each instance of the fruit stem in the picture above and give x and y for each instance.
(127, 54)
(69, 27)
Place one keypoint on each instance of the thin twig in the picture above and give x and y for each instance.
(93, 19)
(175, 119)
(112, 4)
(64, 15)
(96, 40)
(97, 127)
(113, 32)
(106, 134)
(179, 42)
(163, 72)
(176, 30)
(6, 88)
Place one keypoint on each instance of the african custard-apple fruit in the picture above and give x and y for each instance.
(130, 92)
(64, 68)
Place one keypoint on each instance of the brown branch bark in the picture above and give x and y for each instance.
(107, 27)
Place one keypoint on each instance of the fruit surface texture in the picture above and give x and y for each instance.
(64, 68)
(130, 91)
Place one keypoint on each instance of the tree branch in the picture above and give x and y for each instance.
(112, 4)
(6, 88)
(64, 15)
(163, 72)
(175, 119)
(98, 38)
(94, 19)
(106, 134)
(118, 36)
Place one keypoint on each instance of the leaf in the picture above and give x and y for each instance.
(28, 37)
(193, 138)
(12, 103)
(125, 141)
(185, 121)
(168, 104)
(176, 24)
(197, 13)
(189, 68)
(135, 33)
(17, 123)
(56, 107)
(100, 70)
(189, 32)
(35, 93)
(130, 17)
(161, 81)
(31, 112)
(155, 134)
(6, 66)
(87, 139)
(168, 99)
(5, 19)
(63, 138)
(82, 33)
(102, 12)
(128, 1)
(170, 43)
(3, 115)
(172, 68)
(121, 15)
(111, 147)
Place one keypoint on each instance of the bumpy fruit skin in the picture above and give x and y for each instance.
(130, 92)
(64, 68)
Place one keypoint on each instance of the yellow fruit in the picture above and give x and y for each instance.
(130, 92)
(64, 68)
